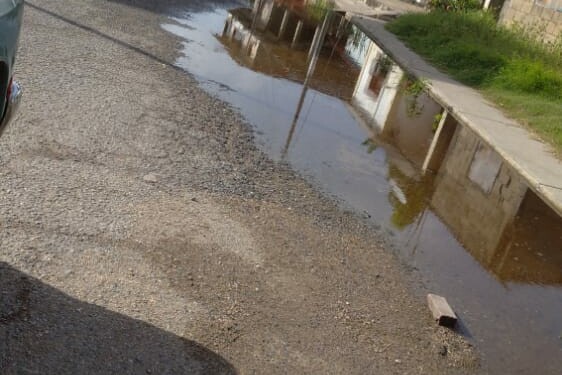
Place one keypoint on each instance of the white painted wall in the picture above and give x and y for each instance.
(388, 95)
(362, 96)
(265, 15)
(376, 107)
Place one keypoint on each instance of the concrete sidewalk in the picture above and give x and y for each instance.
(532, 158)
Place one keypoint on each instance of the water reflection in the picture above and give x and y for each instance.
(525, 250)
(409, 197)
(530, 249)
(264, 52)
(503, 275)
(479, 224)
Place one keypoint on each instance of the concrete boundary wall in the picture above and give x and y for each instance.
(538, 16)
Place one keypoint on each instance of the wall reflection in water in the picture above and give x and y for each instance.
(257, 45)
(517, 242)
(516, 247)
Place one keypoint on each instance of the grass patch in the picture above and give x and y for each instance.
(540, 114)
(510, 66)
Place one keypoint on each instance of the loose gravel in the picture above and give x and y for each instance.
(142, 231)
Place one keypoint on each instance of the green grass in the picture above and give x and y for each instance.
(510, 66)
(318, 9)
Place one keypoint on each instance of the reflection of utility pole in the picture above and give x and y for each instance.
(316, 48)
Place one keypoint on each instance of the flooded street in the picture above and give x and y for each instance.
(505, 284)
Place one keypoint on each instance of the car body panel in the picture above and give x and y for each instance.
(11, 14)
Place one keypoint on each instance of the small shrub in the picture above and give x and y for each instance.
(531, 77)
(318, 9)
(472, 64)
(413, 88)
(454, 5)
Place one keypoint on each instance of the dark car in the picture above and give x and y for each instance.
(11, 12)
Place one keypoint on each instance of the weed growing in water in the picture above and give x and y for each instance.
(413, 88)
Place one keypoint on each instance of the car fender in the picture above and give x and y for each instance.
(11, 14)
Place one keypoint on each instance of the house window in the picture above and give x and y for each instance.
(485, 167)
(379, 74)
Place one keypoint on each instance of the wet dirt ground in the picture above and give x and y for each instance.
(142, 231)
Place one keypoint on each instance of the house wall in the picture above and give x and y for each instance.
(412, 133)
(361, 96)
(542, 16)
(530, 249)
(270, 16)
(376, 107)
(265, 15)
(441, 143)
(491, 194)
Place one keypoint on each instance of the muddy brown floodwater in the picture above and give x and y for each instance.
(506, 286)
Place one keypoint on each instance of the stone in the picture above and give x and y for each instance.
(150, 178)
(442, 312)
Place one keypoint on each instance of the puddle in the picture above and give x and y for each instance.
(505, 284)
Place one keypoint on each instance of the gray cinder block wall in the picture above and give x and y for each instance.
(542, 16)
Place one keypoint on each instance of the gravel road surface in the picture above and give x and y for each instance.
(142, 231)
